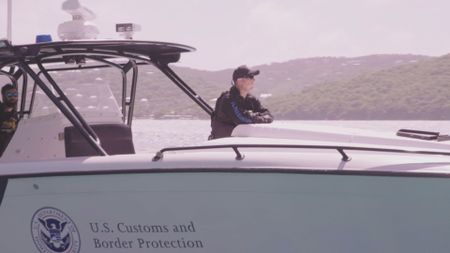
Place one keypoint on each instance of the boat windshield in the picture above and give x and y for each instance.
(94, 99)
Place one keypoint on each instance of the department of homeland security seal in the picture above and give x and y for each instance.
(53, 231)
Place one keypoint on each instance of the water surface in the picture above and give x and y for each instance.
(151, 135)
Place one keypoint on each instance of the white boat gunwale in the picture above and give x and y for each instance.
(255, 170)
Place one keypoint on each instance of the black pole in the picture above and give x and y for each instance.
(33, 95)
(132, 93)
(23, 99)
(69, 104)
(93, 142)
(124, 82)
(184, 87)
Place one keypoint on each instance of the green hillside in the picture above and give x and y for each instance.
(275, 82)
(367, 87)
(413, 91)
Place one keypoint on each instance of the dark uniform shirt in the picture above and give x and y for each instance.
(232, 109)
(8, 125)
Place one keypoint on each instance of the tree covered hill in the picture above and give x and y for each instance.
(276, 82)
(413, 91)
(368, 87)
(292, 76)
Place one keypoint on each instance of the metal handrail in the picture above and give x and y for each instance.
(341, 149)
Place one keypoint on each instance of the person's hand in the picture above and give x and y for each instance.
(267, 119)
(249, 113)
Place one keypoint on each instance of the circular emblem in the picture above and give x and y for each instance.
(53, 231)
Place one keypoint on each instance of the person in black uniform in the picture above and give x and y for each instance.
(8, 115)
(237, 106)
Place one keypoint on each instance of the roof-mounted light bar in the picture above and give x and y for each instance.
(126, 30)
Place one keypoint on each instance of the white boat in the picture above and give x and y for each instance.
(70, 180)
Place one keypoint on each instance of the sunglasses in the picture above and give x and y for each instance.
(11, 94)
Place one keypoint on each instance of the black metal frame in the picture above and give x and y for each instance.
(127, 115)
(184, 87)
(3, 184)
(341, 149)
(159, 54)
(423, 135)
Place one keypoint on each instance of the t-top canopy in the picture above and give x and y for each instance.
(145, 50)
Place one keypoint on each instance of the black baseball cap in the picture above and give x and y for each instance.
(244, 71)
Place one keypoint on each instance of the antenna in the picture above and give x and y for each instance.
(78, 28)
(9, 20)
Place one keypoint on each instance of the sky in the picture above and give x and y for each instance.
(229, 33)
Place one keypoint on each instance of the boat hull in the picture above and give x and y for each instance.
(227, 211)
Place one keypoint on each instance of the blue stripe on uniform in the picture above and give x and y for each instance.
(238, 113)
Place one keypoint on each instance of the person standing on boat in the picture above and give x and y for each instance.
(237, 106)
(8, 115)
